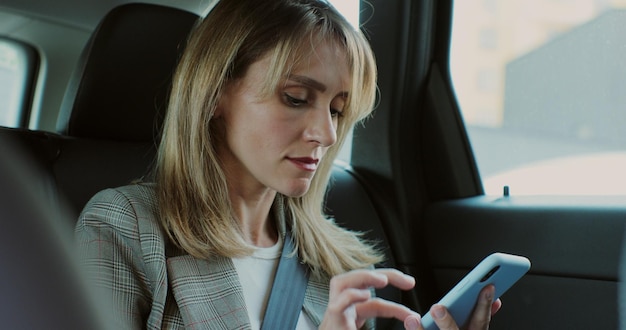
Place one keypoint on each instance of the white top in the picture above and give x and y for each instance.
(256, 274)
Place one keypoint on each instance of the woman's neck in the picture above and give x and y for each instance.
(254, 216)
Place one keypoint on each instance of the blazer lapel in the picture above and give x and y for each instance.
(316, 299)
(208, 293)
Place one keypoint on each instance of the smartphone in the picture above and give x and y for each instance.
(500, 269)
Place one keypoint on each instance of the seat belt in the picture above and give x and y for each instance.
(287, 295)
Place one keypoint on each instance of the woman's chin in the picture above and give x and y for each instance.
(296, 189)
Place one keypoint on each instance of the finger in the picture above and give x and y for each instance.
(397, 278)
(358, 279)
(482, 312)
(413, 322)
(348, 297)
(377, 307)
(442, 318)
(495, 307)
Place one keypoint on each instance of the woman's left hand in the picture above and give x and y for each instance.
(485, 308)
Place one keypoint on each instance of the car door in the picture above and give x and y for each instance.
(419, 166)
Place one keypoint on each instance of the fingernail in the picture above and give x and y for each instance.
(488, 295)
(411, 323)
(439, 312)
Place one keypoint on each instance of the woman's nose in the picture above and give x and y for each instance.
(321, 128)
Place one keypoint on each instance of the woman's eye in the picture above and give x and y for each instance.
(294, 101)
(336, 113)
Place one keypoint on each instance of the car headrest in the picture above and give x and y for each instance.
(120, 86)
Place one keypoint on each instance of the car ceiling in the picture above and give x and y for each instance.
(84, 13)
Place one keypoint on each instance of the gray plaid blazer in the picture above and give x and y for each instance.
(153, 285)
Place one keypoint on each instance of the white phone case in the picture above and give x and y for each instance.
(500, 269)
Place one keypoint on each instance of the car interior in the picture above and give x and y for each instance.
(412, 184)
(41, 284)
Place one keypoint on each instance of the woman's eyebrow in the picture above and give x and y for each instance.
(308, 82)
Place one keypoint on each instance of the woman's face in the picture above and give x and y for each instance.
(278, 141)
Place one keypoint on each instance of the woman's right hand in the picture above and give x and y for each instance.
(351, 303)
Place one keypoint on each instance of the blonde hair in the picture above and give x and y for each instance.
(191, 186)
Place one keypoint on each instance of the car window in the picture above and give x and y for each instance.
(542, 89)
(17, 68)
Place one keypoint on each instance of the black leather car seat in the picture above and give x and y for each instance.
(40, 283)
(116, 98)
(114, 104)
(122, 80)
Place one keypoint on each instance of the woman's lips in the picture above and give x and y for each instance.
(305, 163)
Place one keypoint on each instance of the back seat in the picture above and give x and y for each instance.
(112, 111)
(113, 106)
(39, 280)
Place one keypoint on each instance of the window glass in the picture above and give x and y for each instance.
(16, 74)
(542, 88)
(349, 9)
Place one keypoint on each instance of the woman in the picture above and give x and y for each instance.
(261, 102)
